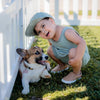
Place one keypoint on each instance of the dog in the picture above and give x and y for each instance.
(33, 65)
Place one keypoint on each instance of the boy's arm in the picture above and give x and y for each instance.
(49, 43)
(76, 39)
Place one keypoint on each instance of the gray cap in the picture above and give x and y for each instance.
(34, 20)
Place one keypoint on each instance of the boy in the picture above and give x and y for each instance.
(66, 46)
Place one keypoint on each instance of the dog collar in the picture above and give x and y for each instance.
(27, 66)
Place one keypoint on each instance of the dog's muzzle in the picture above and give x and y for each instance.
(46, 57)
(42, 59)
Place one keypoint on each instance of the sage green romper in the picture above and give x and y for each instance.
(62, 46)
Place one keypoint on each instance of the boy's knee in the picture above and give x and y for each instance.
(78, 64)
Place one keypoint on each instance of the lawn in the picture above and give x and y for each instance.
(80, 12)
(88, 88)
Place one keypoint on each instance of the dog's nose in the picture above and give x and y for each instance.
(46, 57)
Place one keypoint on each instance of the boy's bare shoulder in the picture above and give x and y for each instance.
(69, 32)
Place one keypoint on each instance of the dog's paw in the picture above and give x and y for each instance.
(25, 91)
(48, 68)
(47, 76)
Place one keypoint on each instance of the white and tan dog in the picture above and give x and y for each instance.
(33, 66)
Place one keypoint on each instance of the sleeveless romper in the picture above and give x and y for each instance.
(62, 46)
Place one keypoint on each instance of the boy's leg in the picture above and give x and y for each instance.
(61, 66)
(76, 67)
(72, 76)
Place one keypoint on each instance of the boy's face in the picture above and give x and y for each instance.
(46, 28)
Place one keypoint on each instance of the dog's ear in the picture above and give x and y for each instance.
(21, 52)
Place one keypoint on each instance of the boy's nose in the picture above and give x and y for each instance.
(44, 31)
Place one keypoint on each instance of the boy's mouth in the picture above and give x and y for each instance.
(47, 34)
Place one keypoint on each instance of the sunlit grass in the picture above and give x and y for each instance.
(80, 13)
(20, 98)
(65, 92)
(85, 98)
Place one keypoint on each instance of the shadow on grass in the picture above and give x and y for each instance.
(90, 79)
(88, 88)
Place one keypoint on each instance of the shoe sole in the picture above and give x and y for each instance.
(60, 71)
(70, 82)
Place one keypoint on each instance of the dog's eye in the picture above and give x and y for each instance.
(37, 52)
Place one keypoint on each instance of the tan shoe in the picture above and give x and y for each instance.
(59, 69)
(71, 78)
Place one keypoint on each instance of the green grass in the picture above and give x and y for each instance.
(80, 12)
(88, 88)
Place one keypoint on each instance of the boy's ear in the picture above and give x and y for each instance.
(52, 20)
(21, 52)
